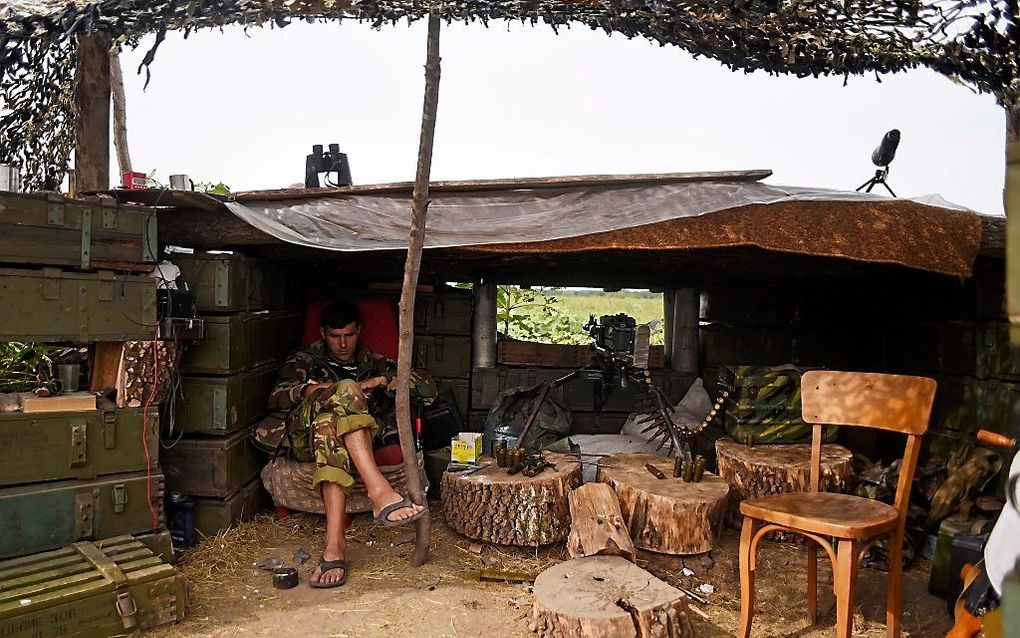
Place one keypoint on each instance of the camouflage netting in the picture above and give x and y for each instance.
(975, 41)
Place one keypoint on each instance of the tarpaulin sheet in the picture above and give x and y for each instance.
(375, 221)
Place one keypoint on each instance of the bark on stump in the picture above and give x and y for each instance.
(763, 470)
(489, 505)
(607, 597)
(665, 515)
(597, 527)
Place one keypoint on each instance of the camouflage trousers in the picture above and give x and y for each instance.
(318, 427)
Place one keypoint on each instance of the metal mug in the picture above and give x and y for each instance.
(181, 183)
(10, 179)
(70, 376)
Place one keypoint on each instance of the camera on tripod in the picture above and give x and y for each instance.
(332, 162)
(619, 339)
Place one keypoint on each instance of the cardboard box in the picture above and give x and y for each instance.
(466, 447)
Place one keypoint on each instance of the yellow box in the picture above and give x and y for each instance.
(466, 447)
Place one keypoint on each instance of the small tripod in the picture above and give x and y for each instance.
(879, 178)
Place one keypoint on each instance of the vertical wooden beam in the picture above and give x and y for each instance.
(419, 208)
(119, 114)
(92, 113)
(1012, 202)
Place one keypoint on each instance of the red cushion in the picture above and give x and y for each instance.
(379, 328)
(389, 455)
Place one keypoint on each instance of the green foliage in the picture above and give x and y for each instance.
(20, 364)
(210, 188)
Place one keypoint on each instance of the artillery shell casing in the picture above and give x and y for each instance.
(699, 468)
(689, 472)
(656, 472)
(499, 452)
(678, 467)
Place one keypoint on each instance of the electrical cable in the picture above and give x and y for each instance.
(145, 441)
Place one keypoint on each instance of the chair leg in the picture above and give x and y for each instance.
(844, 582)
(746, 576)
(812, 580)
(894, 595)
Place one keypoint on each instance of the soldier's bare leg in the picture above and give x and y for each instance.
(380, 492)
(336, 544)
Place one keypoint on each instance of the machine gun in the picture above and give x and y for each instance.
(620, 361)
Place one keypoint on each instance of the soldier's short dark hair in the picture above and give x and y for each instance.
(338, 314)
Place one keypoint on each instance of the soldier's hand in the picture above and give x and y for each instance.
(371, 384)
(312, 387)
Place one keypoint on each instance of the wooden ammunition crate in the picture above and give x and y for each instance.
(48, 515)
(68, 445)
(213, 515)
(581, 422)
(238, 342)
(997, 359)
(578, 395)
(457, 391)
(444, 313)
(50, 304)
(554, 355)
(211, 466)
(233, 282)
(73, 591)
(443, 356)
(47, 229)
(220, 405)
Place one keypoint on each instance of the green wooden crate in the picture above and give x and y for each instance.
(48, 515)
(74, 591)
(55, 305)
(211, 466)
(214, 515)
(65, 445)
(457, 391)
(220, 405)
(232, 282)
(47, 229)
(443, 356)
(445, 313)
(237, 342)
(997, 359)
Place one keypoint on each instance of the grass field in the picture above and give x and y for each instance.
(575, 306)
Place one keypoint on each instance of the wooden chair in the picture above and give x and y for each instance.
(882, 401)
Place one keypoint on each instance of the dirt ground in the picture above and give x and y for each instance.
(229, 596)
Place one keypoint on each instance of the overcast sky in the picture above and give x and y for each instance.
(521, 101)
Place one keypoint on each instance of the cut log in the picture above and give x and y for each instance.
(607, 597)
(763, 470)
(665, 515)
(596, 524)
(491, 506)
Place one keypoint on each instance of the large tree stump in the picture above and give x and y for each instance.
(489, 505)
(665, 515)
(596, 523)
(607, 597)
(763, 470)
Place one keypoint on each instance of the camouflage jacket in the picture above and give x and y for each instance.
(310, 366)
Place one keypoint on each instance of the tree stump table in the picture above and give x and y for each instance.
(607, 597)
(489, 505)
(667, 515)
(763, 470)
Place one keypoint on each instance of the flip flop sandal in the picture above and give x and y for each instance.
(384, 513)
(325, 566)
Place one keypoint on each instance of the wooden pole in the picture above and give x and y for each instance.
(119, 113)
(1012, 202)
(419, 208)
(92, 113)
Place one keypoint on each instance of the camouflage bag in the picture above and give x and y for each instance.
(506, 419)
(763, 405)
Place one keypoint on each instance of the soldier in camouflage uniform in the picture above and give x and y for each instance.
(338, 398)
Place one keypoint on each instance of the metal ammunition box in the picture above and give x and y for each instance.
(211, 466)
(47, 229)
(997, 359)
(578, 395)
(238, 342)
(233, 283)
(55, 305)
(443, 356)
(66, 445)
(74, 591)
(48, 515)
(447, 313)
(219, 405)
(214, 515)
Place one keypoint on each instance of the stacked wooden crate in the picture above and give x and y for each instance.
(75, 271)
(442, 342)
(225, 386)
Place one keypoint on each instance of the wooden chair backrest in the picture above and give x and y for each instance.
(891, 402)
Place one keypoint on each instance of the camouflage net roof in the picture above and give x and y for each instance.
(975, 41)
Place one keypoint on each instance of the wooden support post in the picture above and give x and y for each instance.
(683, 347)
(419, 208)
(1012, 202)
(119, 113)
(92, 113)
